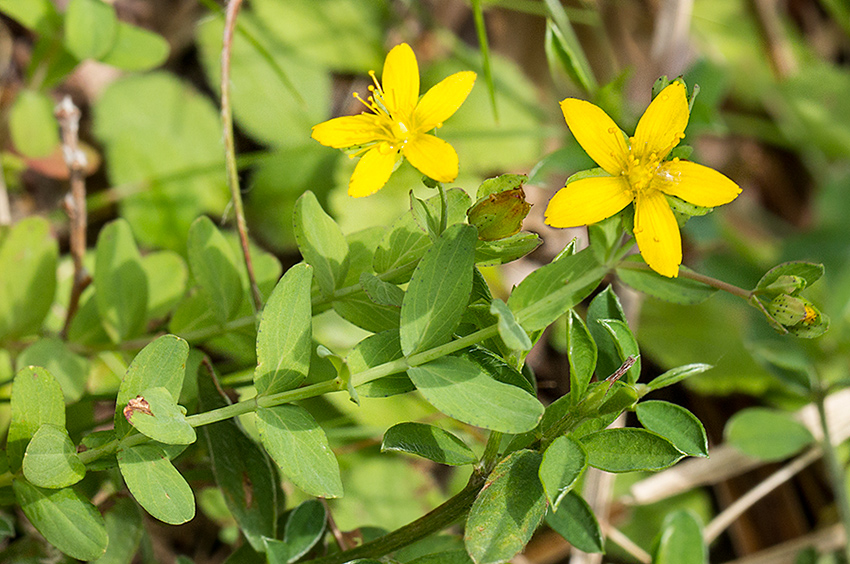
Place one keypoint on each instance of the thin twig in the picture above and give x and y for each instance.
(68, 116)
(208, 365)
(230, 147)
(617, 537)
(731, 513)
(338, 535)
(5, 209)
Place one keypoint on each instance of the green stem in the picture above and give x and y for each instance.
(691, 275)
(836, 473)
(230, 148)
(491, 452)
(430, 523)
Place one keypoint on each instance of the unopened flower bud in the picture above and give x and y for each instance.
(499, 215)
(792, 310)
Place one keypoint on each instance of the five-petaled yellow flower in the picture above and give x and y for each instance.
(637, 172)
(399, 125)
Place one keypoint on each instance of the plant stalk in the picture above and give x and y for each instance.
(836, 473)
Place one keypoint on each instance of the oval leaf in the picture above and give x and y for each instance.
(136, 49)
(51, 459)
(285, 336)
(300, 448)
(507, 511)
(155, 414)
(767, 434)
(121, 286)
(67, 520)
(36, 401)
(460, 389)
(564, 461)
(32, 125)
(675, 423)
(626, 345)
(677, 374)
(370, 352)
(161, 363)
(634, 272)
(627, 450)
(439, 291)
(428, 442)
(304, 528)
(574, 520)
(321, 243)
(512, 334)
(90, 28)
(156, 484)
(214, 269)
(680, 541)
(581, 351)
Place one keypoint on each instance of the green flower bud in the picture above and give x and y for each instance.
(792, 310)
(785, 284)
(499, 215)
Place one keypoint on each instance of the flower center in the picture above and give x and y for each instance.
(640, 171)
(396, 128)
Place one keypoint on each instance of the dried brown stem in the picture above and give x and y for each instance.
(68, 116)
(230, 146)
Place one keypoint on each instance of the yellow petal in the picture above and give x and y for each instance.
(348, 131)
(597, 134)
(697, 184)
(400, 80)
(587, 201)
(442, 100)
(432, 156)
(663, 124)
(657, 234)
(372, 172)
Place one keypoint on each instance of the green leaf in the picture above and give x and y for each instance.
(304, 528)
(808, 271)
(403, 245)
(581, 351)
(574, 520)
(429, 442)
(677, 374)
(136, 49)
(564, 462)
(285, 336)
(70, 369)
(167, 277)
(503, 251)
(497, 368)
(548, 292)
(214, 268)
(507, 510)
(512, 334)
(37, 15)
(563, 45)
(173, 159)
(156, 484)
(680, 540)
(125, 528)
(767, 434)
(321, 243)
(447, 557)
(36, 400)
(66, 519)
(360, 310)
(90, 28)
(626, 345)
(161, 363)
(372, 351)
(300, 448)
(676, 424)
(605, 305)
(242, 471)
(460, 389)
(157, 415)
(439, 291)
(51, 459)
(120, 282)
(32, 125)
(28, 256)
(628, 450)
(679, 290)
(380, 292)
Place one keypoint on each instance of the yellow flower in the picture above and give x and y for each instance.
(637, 173)
(399, 125)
